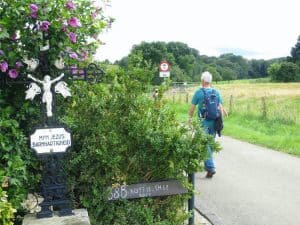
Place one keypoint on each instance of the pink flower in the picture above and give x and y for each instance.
(81, 72)
(74, 22)
(73, 55)
(72, 37)
(3, 66)
(94, 15)
(64, 28)
(13, 73)
(95, 36)
(45, 25)
(74, 69)
(84, 55)
(34, 15)
(70, 5)
(34, 8)
(14, 37)
(19, 64)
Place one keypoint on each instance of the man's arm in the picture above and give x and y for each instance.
(191, 113)
(222, 110)
(220, 107)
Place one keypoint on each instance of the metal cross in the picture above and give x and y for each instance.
(53, 186)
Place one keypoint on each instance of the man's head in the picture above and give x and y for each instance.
(206, 78)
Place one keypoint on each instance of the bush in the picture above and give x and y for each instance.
(6, 210)
(17, 163)
(285, 72)
(121, 136)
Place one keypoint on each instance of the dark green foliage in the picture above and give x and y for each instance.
(285, 72)
(259, 68)
(295, 52)
(187, 64)
(17, 162)
(121, 136)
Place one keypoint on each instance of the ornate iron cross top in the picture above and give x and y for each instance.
(47, 86)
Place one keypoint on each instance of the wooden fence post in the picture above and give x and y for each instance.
(230, 104)
(264, 107)
(187, 97)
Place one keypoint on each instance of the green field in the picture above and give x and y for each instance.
(267, 114)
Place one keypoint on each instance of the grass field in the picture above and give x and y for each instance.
(267, 114)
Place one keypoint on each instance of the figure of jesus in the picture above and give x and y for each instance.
(47, 94)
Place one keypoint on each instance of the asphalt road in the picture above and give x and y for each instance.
(253, 186)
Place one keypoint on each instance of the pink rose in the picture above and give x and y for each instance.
(64, 28)
(84, 55)
(34, 15)
(13, 73)
(81, 72)
(70, 5)
(14, 37)
(74, 55)
(19, 64)
(72, 37)
(3, 66)
(74, 69)
(74, 22)
(34, 8)
(45, 25)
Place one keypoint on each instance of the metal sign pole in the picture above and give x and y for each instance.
(191, 203)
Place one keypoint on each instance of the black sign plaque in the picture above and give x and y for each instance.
(142, 190)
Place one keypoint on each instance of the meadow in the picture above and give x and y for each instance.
(260, 112)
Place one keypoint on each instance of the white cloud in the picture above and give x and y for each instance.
(269, 28)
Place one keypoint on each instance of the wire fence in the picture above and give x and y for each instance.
(284, 109)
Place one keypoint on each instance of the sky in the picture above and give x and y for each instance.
(254, 29)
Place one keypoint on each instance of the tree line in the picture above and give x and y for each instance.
(187, 63)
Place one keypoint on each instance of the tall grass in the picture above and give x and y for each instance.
(267, 114)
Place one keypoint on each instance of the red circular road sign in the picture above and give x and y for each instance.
(164, 66)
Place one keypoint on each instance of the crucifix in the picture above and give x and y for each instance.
(51, 140)
(33, 90)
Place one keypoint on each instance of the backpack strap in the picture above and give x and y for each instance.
(203, 109)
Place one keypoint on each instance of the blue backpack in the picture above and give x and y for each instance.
(210, 105)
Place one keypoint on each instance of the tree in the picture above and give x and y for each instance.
(238, 64)
(273, 71)
(258, 68)
(216, 75)
(227, 74)
(284, 72)
(295, 52)
(68, 29)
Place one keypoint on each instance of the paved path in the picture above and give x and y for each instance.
(253, 186)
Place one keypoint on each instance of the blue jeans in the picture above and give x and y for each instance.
(208, 126)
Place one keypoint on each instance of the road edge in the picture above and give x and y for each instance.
(207, 214)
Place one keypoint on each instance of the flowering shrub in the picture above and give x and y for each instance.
(70, 29)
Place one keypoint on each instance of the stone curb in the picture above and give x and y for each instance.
(207, 214)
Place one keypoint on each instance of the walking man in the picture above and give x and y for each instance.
(210, 108)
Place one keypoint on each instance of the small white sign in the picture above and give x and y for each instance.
(164, 74)
(50, 140)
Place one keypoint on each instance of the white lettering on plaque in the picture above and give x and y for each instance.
(50, 140)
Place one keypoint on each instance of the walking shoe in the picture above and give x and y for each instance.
(210, 174)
